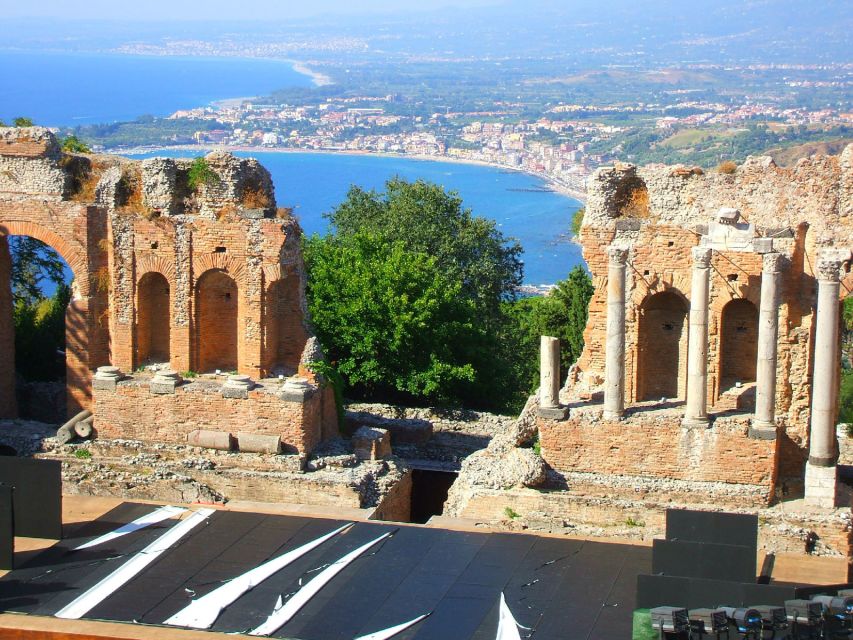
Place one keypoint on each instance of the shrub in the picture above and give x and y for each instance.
(728, 167)
(577, 221)
(201, 173)
(22, 122)
(73, 144)
(511, 513)
(83, 454)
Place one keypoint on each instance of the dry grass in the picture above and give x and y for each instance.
(130, 196)
(255, 198)
(284, 213)
(102, 280)
(227, 210)
(637, 205)
(727, 167)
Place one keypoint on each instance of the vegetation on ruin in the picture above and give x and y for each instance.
(415, 301)
(577, 222)
(728, 167)
(73, 144)
(201, 173)
(22, 122)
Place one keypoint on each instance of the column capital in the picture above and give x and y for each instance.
(702, 257)
(618, 255)
(773, 262)
(829, 264)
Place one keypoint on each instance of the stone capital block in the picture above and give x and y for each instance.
(296, 390)
(106, 378)
(701, 257)
(829, 264)
(371, 443)
(763, 246)
(617, 255)
(238, 387)
(165, 382)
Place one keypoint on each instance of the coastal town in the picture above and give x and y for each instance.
(563, 146)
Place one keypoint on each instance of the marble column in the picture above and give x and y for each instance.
(549, 379)
(768, 335)
(820, 482)
(614, 366)
(696, 410)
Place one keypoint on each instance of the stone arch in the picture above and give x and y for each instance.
(153, 322)
(738, 343)
(148, 263)
(217, 313)
(234, 268)
(78, 320)
(74, 258)
(284, 332)
(662, 346)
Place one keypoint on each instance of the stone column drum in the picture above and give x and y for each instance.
(820, 469)
(696, 410)
(549, 378)
(768, 334)
(614, 366)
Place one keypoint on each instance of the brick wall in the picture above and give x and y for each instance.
(133, 412)
(652, 443)
(152, 319)
(217, 301)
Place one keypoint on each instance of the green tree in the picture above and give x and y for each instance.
(577, 221)
(390, 320)
(22, 122)
(73, 144)
(40, 336)
(33, 264)
(428, 219)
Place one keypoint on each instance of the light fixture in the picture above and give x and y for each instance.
(773, 618)
(707, 621)
(804, 612)
(747, 621)
(670, 619)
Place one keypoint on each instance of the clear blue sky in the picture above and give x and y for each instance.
(167, 10)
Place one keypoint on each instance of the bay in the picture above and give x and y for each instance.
(314, 183)
(69, 89)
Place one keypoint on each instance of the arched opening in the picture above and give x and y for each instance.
(152, 319)
(35, 320)
(284, 333)
(217, 310)
(662, 358)
(738, 344)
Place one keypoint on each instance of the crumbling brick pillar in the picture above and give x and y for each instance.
(696, 410)
(614, 367)
(78, 379)
(823, 452)
(768, 334)
(8, 405)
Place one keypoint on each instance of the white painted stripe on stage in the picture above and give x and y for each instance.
(507, 625)
(158, 515)
(282, 616)
(202, 613)
(390, 632)
(84, 603)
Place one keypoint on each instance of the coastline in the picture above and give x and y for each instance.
(557, 187)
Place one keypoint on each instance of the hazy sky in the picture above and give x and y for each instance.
(220, 9)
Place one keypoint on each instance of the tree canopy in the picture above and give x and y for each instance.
(415, 300)
(428, 219)
(33, 265)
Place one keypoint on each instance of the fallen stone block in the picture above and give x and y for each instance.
(220, 440)
(371, 443)
(258, 443)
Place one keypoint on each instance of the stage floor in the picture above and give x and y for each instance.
(560, 588)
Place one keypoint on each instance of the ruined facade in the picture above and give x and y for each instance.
(712, 347)
(188, 309)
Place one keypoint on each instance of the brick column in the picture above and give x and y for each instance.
(8, 404)
(768, 334)
(696, 410)
(820, 469)
(614, 366)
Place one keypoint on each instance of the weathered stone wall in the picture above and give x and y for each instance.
(659, 214)
(132, 411)
(142, 240)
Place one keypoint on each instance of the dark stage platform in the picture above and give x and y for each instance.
(559, 588)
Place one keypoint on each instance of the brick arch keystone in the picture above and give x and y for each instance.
(148, 263)
(654, 283)
(73, 256)
(220, 262)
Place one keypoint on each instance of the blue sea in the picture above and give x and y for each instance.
(314, 183)
(69, 89)
(55, 88)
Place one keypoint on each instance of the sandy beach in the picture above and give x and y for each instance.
(552, 184)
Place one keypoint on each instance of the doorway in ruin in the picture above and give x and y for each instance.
(37, 318)
(738, 344)
(217, 309)
(429, 493)
(662, 347)
(152, 319)
(285, 335)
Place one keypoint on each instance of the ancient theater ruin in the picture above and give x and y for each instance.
(187, 321)
(711, 367)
